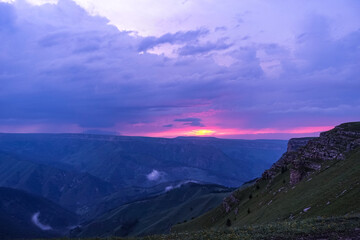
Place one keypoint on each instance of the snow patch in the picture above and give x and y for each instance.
(343, 192)
(306, 209)
(36, 221)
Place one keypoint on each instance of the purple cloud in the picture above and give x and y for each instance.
(178, 37)
(203, 48)
(61, 68)
(195, 122)
(7, 17)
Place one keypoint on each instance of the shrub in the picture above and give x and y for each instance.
(228, 222)
(250, 196)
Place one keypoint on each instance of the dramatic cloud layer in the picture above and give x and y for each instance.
(231, 69)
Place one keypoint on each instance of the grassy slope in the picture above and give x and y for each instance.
(309, 229)
(158, 214)
(334, 191)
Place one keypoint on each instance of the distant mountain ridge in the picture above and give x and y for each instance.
(125, 161)
(93, 175)
(78, 170)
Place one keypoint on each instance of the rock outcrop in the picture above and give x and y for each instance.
(295, 143)
(229, 203)
(305, 155)
(289, 156)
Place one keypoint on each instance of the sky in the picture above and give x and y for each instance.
(232, 69)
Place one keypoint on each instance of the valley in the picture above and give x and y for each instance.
(100, 178)
(311, 191)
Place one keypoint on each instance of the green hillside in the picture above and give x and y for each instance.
(157, 214)
(309, 229)
(330, 190)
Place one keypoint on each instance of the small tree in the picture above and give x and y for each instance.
(250, 196)
(249, 211)
(228, 222)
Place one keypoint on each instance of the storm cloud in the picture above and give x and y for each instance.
(195, 122)
(63, 69)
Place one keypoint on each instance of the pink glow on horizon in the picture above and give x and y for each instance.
(213, 131)
(223, 132)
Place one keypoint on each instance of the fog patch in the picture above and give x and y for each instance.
(168, 188)
(171, 187)
(154, 175)
(36, 221)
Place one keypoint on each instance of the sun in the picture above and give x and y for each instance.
(201, 132)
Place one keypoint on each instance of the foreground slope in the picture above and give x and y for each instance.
(23, 215)
(309, 229)
(320, 179)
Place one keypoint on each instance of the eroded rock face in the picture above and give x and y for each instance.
(307, 154)
(294, 145)
(229, 202)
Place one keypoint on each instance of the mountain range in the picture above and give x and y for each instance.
(78, 170)
(97, 178)
(311, 191)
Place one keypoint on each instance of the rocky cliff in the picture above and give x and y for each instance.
(290, 155)
(306, 155)
(295, 143)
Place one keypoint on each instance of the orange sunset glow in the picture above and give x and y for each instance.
(200, 132)
(224, 132)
